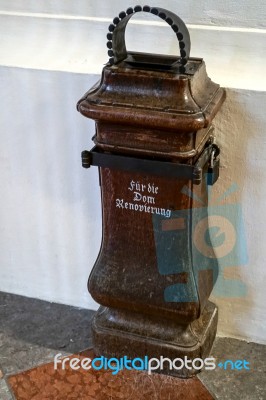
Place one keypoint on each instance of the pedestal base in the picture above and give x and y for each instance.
(119, 333)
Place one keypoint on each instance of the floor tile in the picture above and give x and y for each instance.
(228, 384)
(33, 331)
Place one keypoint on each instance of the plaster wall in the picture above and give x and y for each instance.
(51, 54)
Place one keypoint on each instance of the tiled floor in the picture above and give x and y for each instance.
(32, 332)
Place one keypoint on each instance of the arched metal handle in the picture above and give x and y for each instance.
(116, 36)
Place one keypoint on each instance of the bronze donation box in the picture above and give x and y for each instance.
(155, 150)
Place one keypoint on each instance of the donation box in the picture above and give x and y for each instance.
(154, 146)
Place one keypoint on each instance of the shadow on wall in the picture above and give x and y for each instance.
(236, 133)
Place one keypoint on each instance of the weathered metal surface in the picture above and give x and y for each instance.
(122, 332)
(147, 273)
(155, 99)
(128, 272)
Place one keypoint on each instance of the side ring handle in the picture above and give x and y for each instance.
(116, 36)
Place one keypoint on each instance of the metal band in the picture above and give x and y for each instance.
(152, 167)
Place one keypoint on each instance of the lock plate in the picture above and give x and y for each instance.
(214, 165)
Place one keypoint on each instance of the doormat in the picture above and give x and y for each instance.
(46, 383)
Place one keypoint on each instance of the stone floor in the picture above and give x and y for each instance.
(32, 332)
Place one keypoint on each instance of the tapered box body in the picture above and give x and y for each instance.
(155, 153)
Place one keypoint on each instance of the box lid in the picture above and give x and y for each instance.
(148, 95)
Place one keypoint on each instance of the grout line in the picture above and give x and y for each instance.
(10, 391)
(134, 21)
(7, 389)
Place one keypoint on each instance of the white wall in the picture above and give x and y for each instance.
(51, 54)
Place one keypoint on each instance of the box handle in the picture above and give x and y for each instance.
(116, 36)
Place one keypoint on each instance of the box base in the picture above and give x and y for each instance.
(119, 333)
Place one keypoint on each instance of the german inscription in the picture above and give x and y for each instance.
(143, 199)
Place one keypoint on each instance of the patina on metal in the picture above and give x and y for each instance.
(154, 144)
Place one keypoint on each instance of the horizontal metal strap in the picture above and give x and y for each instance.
(147, 166)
